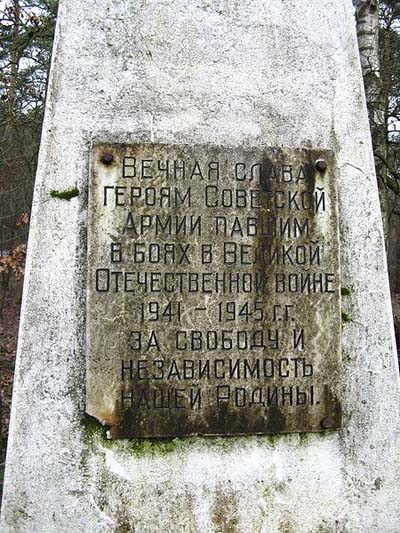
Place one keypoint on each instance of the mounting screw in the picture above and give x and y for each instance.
(321, 165)
(107, 158)
(327, 423)
(373, 8)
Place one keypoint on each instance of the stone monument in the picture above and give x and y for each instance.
(206, 340)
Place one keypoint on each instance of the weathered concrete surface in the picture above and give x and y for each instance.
(254, 73)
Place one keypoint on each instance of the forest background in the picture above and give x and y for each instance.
(26, 38)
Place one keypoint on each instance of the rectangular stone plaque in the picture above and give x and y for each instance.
(213, 290)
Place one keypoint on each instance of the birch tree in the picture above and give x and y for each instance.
(367, 17)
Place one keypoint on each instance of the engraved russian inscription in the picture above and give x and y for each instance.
(213, 290)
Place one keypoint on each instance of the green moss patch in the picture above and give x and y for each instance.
(67, 194)
(96, 434)
(346, 319)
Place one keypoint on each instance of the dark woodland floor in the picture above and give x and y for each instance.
(9, 321)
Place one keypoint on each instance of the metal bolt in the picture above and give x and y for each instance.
(321, 165)
(327, 423)
(107, 158)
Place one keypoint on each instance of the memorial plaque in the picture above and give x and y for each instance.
(213, 290)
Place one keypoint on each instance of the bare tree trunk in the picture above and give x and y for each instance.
(8, 175)
(14, 60)
(367, 17)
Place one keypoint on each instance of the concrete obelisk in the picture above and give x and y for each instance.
(247, 87)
